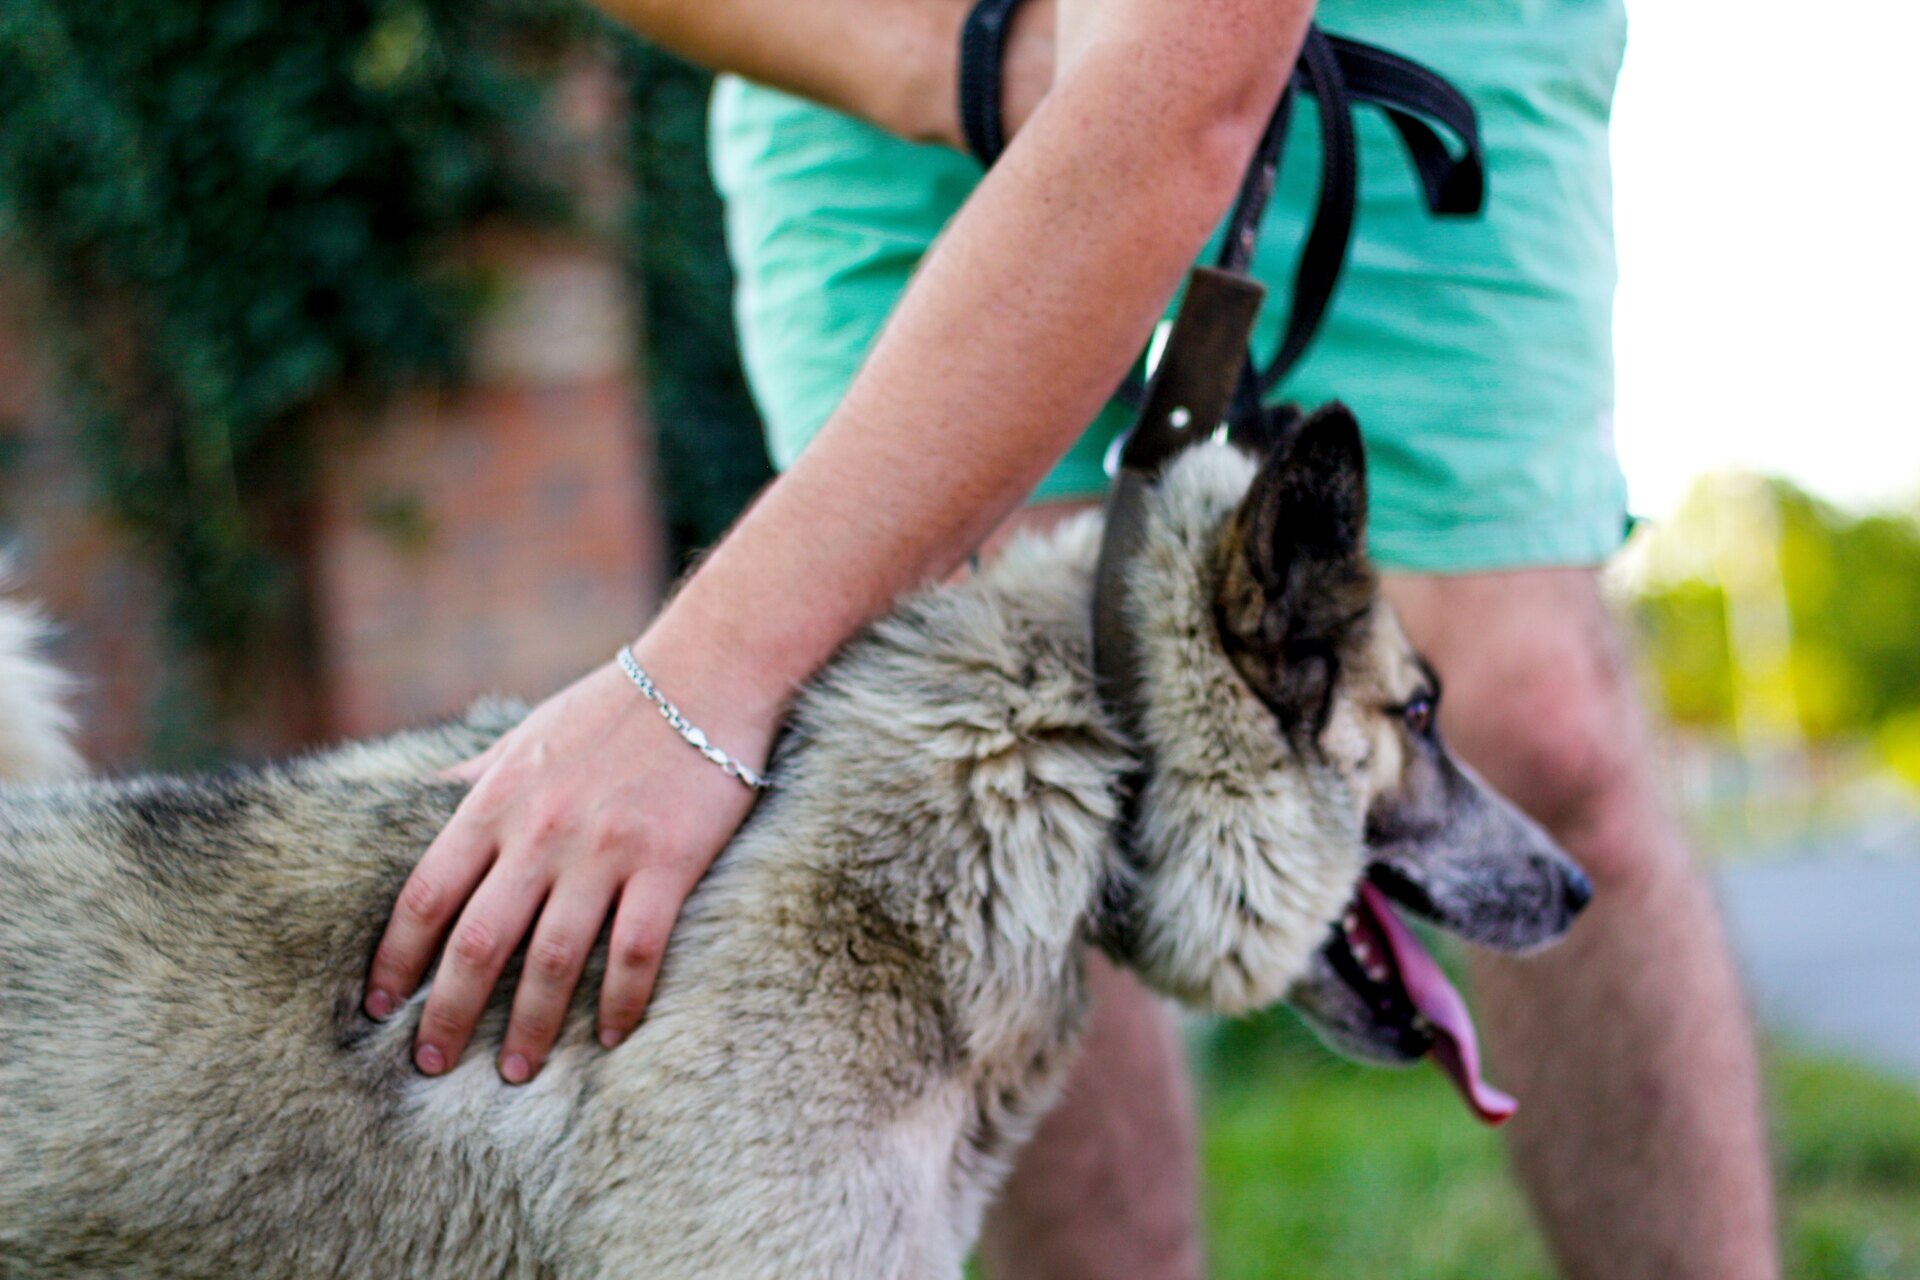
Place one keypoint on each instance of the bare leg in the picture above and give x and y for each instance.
(1107, 1187)
(1639, 1139)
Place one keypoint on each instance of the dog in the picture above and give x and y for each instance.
(867, 1004)
(35, 726)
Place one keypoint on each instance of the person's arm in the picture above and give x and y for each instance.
(1016, 328)
(889, 62)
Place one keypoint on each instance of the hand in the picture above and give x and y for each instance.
(591, 804)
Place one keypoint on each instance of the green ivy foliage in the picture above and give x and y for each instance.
(244, 207)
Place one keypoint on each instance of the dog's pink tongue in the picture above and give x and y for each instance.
(1455, 1048)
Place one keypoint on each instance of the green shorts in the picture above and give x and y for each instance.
(1476, 353)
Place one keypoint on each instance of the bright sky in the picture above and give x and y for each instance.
(1767, 198)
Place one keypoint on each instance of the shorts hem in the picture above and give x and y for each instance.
(1494, 546)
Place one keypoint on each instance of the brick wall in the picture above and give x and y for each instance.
(105, 595)
(501, 539)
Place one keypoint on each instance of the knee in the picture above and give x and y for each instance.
(1560, 732)
(1556, 747)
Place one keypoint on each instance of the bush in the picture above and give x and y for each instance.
(241, 210)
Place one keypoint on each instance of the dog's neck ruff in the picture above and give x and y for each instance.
(1191, 391)
(1213, 771)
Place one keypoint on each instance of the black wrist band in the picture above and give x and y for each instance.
(983, 48)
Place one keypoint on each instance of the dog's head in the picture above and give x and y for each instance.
(1296, 780)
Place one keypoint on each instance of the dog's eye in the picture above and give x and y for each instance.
(1419, 715)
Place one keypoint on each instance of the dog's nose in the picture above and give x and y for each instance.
(1578, 892)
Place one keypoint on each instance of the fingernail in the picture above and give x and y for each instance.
(429, 1059)
(514, 1069)
(379, 1005)
(611, 1038)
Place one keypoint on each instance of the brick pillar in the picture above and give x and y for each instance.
(501, 538)
(497, 539)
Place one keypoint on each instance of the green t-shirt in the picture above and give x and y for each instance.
(1476, 352)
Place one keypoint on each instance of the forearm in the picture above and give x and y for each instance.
(889, 62)
(1014, 332)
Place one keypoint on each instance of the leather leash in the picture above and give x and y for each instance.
(1207, 375)
(1207, 378)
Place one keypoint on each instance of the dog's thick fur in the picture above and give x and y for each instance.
(866, 1006)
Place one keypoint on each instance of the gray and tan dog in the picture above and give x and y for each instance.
(868, 1002)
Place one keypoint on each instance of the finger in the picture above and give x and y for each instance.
(489, 929)
(649, 904)
(470, 770)
(439, 886)
(569, 923)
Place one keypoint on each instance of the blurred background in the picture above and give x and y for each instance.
(358, 358)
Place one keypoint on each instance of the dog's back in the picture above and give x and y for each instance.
(175, 964)
(191, 1089)
(868, 1000)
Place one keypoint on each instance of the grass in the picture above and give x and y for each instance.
(1318, 1167)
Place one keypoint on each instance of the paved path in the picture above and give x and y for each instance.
(1831, 947)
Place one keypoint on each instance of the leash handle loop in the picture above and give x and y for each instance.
(1410, 95)
(1336, 72)
(1325, 250)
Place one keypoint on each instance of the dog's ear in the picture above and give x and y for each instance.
(1295, 578)
(1270, 429)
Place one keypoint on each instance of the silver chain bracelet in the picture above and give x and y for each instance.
(685, 727)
